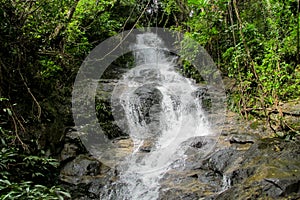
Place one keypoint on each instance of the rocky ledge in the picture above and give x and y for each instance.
(243, 165)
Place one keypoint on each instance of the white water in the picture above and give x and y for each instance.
(174, 117)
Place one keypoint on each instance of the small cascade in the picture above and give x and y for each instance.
(226, 183)
(160, 111)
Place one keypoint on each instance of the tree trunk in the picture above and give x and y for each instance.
(243, 39)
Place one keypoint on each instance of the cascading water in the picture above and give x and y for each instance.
(160, 111)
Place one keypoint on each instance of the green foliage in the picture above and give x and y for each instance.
(43, 44)
(24, 176)
(26, 190)
(191, 72)
(49, 68)
(252, 42)
(200, 3)
(276, 79)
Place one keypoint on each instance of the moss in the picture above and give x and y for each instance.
(254, 125)
(280, 169)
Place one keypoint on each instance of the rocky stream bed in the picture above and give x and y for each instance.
(243, 165)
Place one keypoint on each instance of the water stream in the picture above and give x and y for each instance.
(160, 113)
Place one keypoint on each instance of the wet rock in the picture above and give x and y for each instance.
(242, 139)
(268, 169)
(72, 146)
(266, 172)
(119, 67)
(201, 92)
(204, 96)
(106, 109)
(149, 98)
(265, 169)
(124, 147)
(184, 185)
(85, 177)
(82, 169)
(280, 187)
(73, 136)
(222, 160)
(147, 146)
(69, 151)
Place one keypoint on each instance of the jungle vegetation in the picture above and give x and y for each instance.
(255, 45)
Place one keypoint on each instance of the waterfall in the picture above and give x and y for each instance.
(160, 111)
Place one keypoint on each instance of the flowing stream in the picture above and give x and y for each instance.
(160, 113)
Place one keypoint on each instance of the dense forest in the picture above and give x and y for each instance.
(255, 44)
